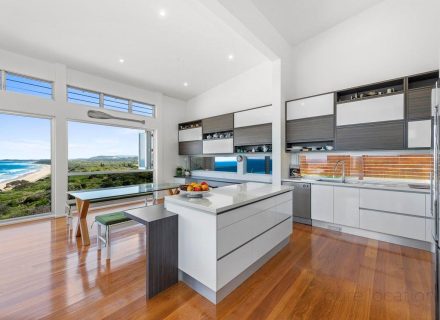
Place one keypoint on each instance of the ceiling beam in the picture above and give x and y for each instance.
(245, 19)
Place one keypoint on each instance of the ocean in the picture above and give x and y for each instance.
(10, 169)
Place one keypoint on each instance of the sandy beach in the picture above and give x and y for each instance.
(41, 173)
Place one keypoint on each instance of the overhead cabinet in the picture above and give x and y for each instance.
(419, 134)
(190, 134)
(253, 135)
(310, 119)
(371, 136)
(218, 146)
(378, 109)
(190, 138)
(419, 103)
(218, 124)
(253, 117)
(190, 147)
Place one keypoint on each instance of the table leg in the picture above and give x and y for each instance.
(82, 228)
(173, 191)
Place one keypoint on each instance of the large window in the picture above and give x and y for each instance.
(25, 166)
(106, 156)
(259, 164)
(225, 164)
(27, 85)
(114, 103)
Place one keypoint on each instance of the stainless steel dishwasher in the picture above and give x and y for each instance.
(301, 211)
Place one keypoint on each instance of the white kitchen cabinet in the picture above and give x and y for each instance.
(346, 206)
(193, 134)
(322, 203)
(218, 146)
(253, 117)
(419, 134)
(394, 224)
(386, 108)
(429, 220)
(310, 107)
(393, 201)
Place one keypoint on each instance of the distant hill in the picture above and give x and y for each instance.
(109, 158)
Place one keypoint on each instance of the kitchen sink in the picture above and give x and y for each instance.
(339, 180)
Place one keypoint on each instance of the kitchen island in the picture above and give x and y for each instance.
(230, 233)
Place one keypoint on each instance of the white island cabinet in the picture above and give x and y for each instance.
(227, 235)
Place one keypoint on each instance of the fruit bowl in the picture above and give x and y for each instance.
(194, 190)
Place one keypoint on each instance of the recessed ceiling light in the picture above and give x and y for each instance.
(231, 57)
(121, 60)
(185, 84)
(162, 13)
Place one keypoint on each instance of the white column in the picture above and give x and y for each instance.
(278, 121)
(59, 144)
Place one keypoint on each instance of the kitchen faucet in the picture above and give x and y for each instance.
(343, 169)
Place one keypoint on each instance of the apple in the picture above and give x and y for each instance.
(204, 183)
(197, 188)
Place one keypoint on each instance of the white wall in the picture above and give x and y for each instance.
(392, 39)
(169, 112)
(252, 88)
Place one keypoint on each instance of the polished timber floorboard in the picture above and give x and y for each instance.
(321, 274)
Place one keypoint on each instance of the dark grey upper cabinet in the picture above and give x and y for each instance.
(419, 104)
(310, 129)
(253, 135)
(190, 147)
(219, 123)
(371, 136)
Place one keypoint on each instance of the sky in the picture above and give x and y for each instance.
(29, 138)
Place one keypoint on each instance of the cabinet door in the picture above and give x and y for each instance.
(322, 203)
(419, 103)
(310, 107)
(218, 146)
(370, 110)
(218, 124)
(253, 117)
(190, 134)
(310, 130)
(419, 134)
(371, 136)
(346, 206)
(254, 135)
(190, 147)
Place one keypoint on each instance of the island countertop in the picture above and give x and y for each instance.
(229, 197)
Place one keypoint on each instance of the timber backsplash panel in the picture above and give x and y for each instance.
(416, 166)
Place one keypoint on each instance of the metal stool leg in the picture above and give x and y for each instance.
(107, 242)
(99, 236)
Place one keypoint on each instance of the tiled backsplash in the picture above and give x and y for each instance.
(405, 166)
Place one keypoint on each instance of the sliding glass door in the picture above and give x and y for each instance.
(25, 166)
(103, 156)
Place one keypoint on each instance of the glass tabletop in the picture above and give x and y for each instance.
(122, 192)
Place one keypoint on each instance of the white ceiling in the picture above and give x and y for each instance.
(298, 20)
(189, 44)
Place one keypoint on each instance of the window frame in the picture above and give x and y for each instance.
(266, 158)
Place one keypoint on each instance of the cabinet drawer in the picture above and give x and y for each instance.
(371, 136)
(419, 134)
(190, 147)
(237, 234)
(393, 201)
(394, 224)
(253, 117)
(322, 203)
(233, 216)
(346, 206)
(419, 103)
(233, 264)
(370, 110)
(312, 129)
(255, 135)
(310, 107)
(190, 134)
(218, 146)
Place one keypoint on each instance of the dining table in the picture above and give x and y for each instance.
(84, 198)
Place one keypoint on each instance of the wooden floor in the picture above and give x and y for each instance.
(320, 275)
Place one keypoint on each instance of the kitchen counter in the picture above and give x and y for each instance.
(365, 184)
(227, 235)
(227, 198)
